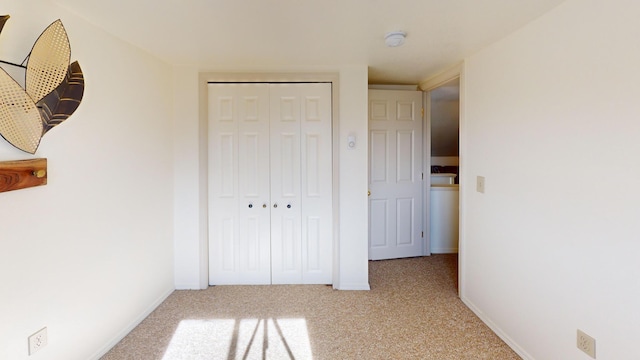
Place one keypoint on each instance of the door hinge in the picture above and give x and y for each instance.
(422, 176)
(422, 234)
(422, 111)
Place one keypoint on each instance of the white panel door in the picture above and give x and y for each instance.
(270, 184)
(301, 222)
(316, 189)
(286, 242)
(239, 194)
(395, 174)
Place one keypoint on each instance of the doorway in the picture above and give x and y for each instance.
(439, 227)
(444, 122)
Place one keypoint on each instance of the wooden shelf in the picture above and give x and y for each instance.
(21, 174)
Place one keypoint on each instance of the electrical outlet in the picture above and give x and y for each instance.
(587, 344)
(38, 340)
(480, 184)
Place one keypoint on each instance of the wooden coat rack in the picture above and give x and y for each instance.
(21, 174)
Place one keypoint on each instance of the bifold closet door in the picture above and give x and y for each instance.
(270, 184)
(239, 192)
(301, 183)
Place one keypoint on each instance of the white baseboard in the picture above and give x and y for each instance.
(354, 286)
(110, 344)
(497, 330)
(189, 286)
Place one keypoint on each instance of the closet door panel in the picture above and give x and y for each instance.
(239, 249)
(285, 185)
(254, 216)
(316, 178)
(223, 186)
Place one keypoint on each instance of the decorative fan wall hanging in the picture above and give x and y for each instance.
(53, 90)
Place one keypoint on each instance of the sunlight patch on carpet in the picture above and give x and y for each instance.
(240, 339)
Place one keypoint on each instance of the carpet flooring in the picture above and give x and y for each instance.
(412, 312)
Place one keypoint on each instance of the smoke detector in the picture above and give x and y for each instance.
(395, 38)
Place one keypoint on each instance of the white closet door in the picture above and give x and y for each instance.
(301, 222)
(270, 184)
(239, 194)
(395, 177)
(316, 189)
(286, 242)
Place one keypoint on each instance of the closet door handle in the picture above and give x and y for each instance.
(275, 205)
(288, 206)
(250, 205)
(264, 206)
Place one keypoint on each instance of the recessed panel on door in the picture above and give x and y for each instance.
(253, 243)
(312, 108)
(227, 163)
(290, 244)
(405, 156)
(289, 151)
(225, 109)
(404, 221)
(314, 244)
(379, 110)
(405, 110)
(378, 156)
(378, 220)
(251, 174)
(227, 231)
(288, 109)
(250, 111)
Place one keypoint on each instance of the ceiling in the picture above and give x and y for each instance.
(312, 34)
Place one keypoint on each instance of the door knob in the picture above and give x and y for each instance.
(250, 206)
(264, 206)
(369, 193)
(275, 205)
(288, 206)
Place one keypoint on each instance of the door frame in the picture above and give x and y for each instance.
(259, 77)
(426, 171)
(456, 71)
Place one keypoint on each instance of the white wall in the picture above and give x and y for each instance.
(91, 252)
(552, 120)
(354, 181)
(191, 258)
(187, 189)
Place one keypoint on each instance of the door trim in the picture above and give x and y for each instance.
(442, 77)
(426, 171)
(276, 77)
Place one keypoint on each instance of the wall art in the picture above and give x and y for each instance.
(53, 90)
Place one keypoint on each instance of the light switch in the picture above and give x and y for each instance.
(480, 184)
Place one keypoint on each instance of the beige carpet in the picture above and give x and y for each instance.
(411, 312)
